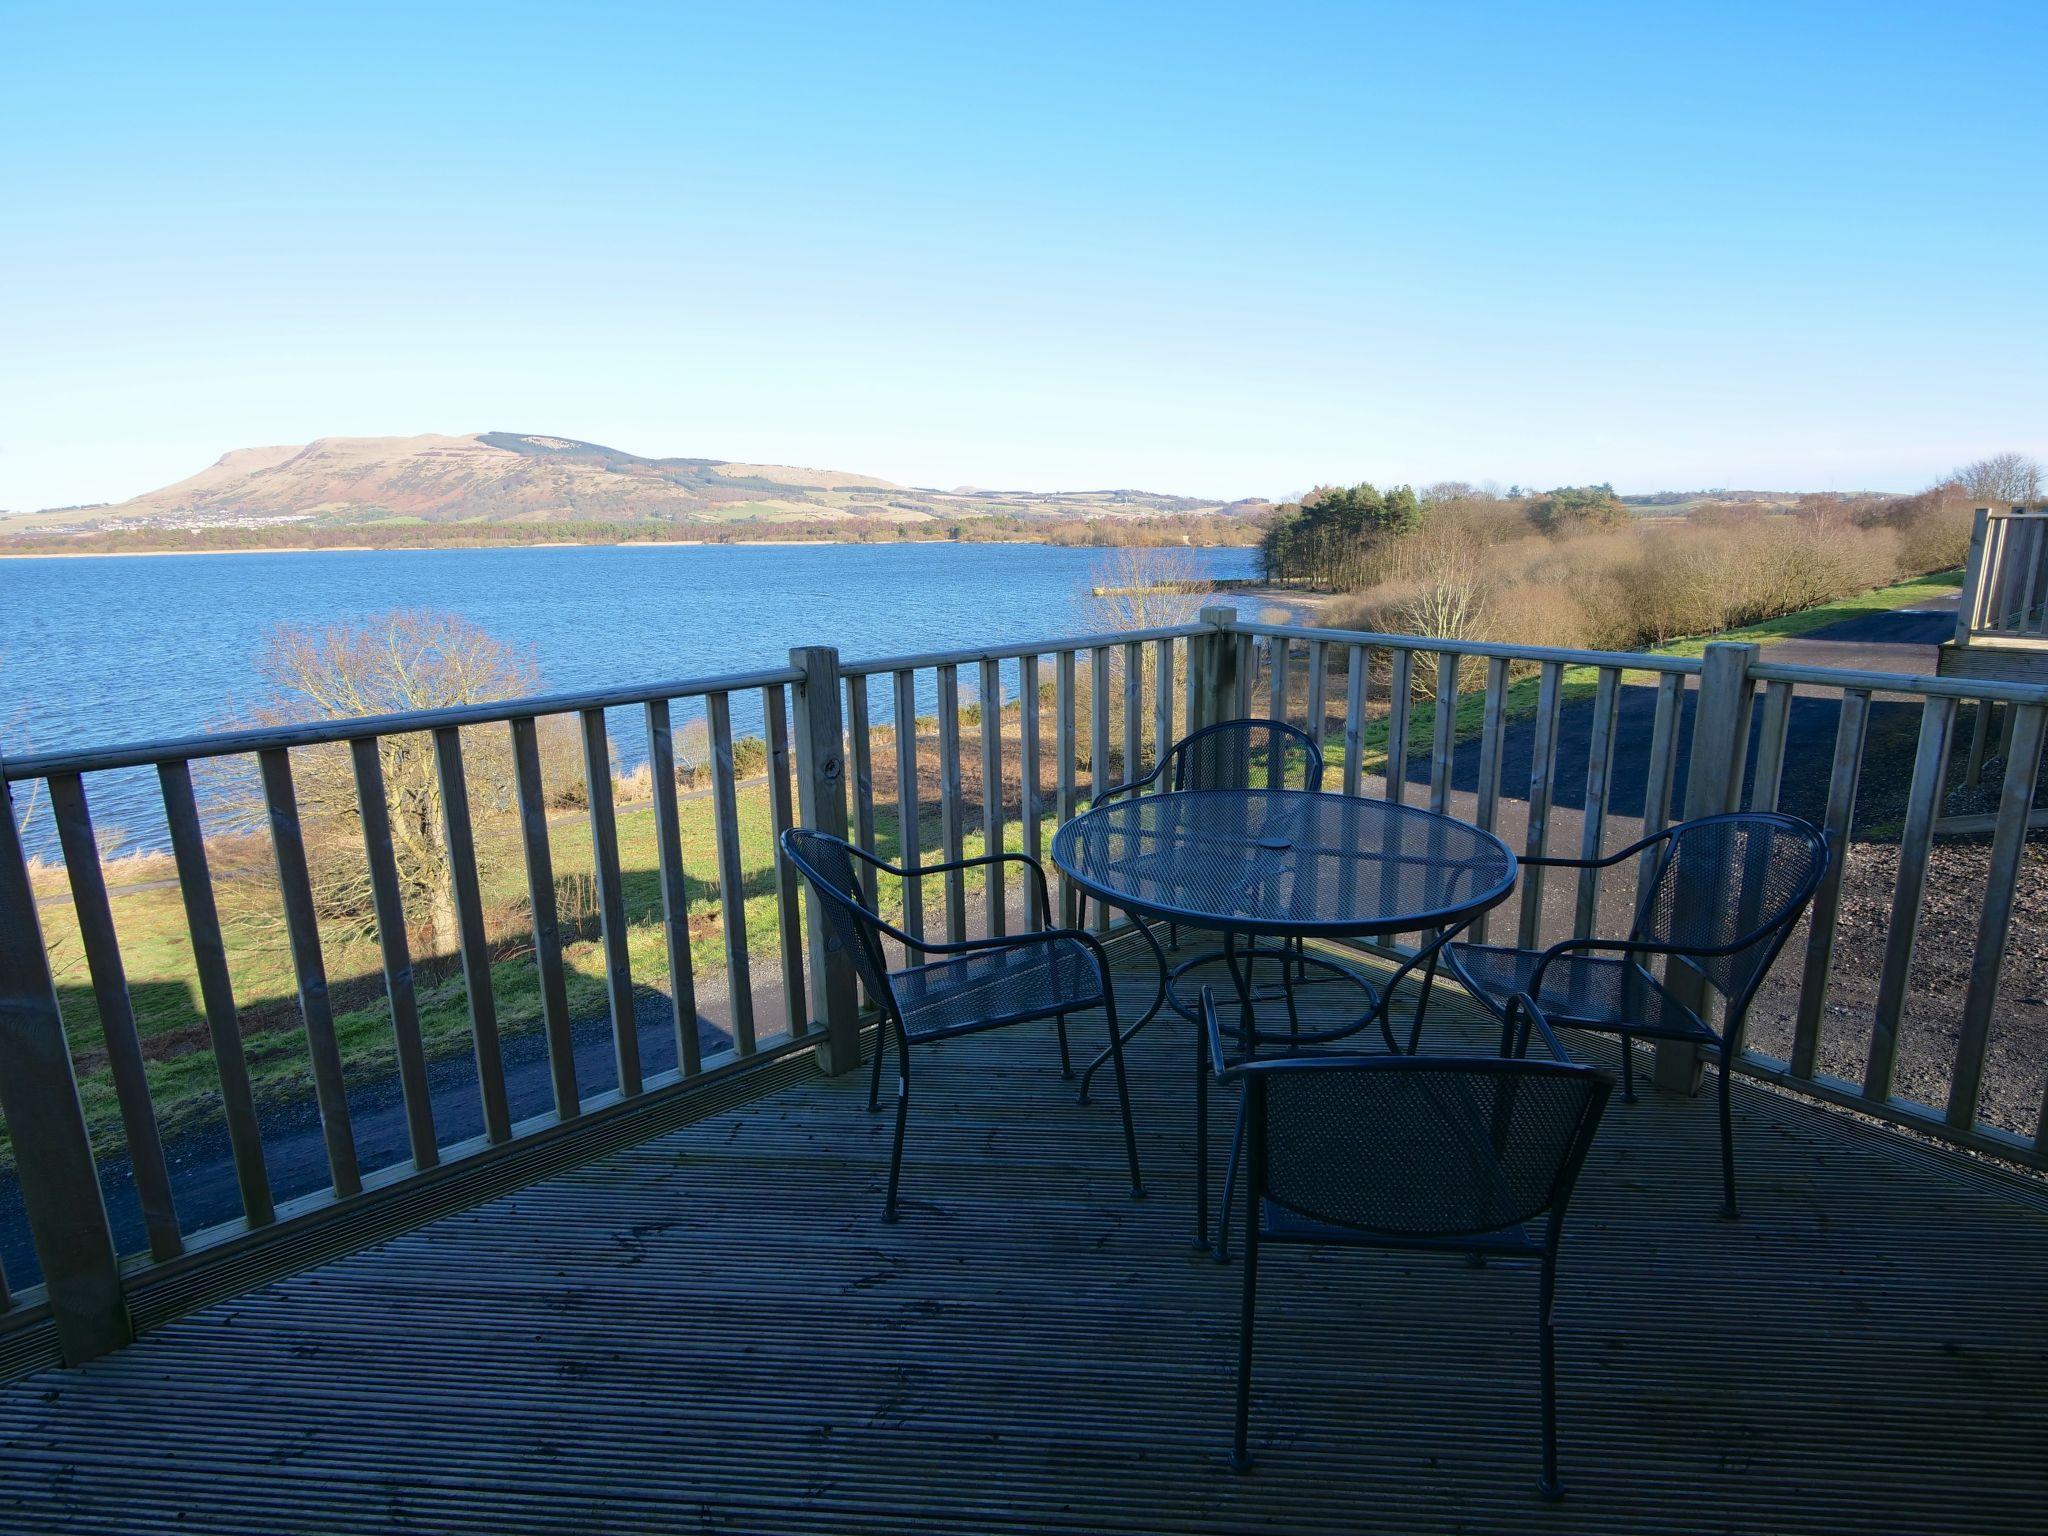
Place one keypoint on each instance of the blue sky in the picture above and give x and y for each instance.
(1226, 251)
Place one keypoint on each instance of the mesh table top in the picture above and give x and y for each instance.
(1284, 862)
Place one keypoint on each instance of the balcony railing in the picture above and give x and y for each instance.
(2005, 588)
(1550, 747)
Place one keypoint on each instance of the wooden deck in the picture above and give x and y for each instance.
(712, 1331)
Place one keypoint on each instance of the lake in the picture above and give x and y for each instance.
(100, 650)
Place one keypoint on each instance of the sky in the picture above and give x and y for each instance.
(1224, 251)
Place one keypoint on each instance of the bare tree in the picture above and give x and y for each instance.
(388, 663)
(1140, 588)
(2013, 479)
(8, 728)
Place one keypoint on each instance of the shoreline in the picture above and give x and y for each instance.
(432, 549)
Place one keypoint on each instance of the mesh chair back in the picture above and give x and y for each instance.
(828, 864)
(1737, 882)
(1427, 1146)
(1246, 754)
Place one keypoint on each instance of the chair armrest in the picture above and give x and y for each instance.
(1217, 1062)
(1003, 941)
(1128, 787)
(1007, 856)
(1522, 1006)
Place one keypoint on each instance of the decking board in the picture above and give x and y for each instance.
(712, 1330)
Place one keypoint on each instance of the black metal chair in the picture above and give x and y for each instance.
(1224, 756)
(979, 984)
(1452, 1154)
(1718, 896)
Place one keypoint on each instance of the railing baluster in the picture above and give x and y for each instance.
(1916, 842)
(56, 1175)
(1770, 747)
(1400, 704)
(1354, 719)
(1134, 710)
(1162, 705)
(952, 832)
(675, 889)
(781, 817)
(1661, 770)
(1492, 742)
(1318, 699)
(1994, 927)
(545, 918)
(395, 949)
(1064, 752)
(117, 1014)
(1593, 823)
(469, 919)
(1542, 775)
(1281, 695)
(1191, 692)
(861, 760)
(1820, 936)
(909, 833)
(732, 887)
(1444, 737)
(996, 896)
(611, 899)
(302, 927)
(216, 991)
(1099, 773)
(1029, 769)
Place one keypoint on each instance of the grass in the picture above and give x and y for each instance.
(163, 984)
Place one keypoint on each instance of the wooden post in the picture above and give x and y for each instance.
(1221, 665)
(1713, 783)
(1970, 605)
(821, 805)
(60, 1185)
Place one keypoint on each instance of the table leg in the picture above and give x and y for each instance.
(1248, 1029)
(1151, 1013)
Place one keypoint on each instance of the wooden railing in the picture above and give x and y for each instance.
(1487, 732)
(2005, 585)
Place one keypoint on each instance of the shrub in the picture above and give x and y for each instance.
(749, 757)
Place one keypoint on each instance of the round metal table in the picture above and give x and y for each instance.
(1284, 864)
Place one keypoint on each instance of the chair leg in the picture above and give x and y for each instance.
(1123, 1095)
(1728, 1209)
(875, 1073)
(1241, 1455)
(1229, 1189)
(1628, 1069)
(902, 1123)
(1201, 1141)
(1546, 1345)
(1059, 1023)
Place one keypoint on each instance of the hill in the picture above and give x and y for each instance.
(529, 479)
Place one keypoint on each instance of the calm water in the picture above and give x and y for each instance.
(105, 650)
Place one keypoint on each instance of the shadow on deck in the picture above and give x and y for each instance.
(713, 1331)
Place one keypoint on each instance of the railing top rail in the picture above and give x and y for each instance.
(36, 765)
(1901, 682)
(877, 665)
(1633, 661)
(2015, 511)
(315, 733)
